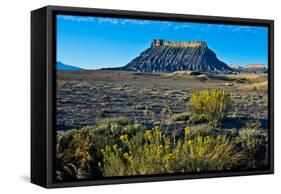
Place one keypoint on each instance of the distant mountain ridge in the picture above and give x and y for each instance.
(169, 56)
(250, 68)
(61, 66)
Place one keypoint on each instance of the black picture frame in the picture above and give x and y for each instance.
(43, 92)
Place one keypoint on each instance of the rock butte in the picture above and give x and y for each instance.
(169, 56)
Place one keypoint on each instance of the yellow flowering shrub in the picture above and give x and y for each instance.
(211, 104)
(154, 152)
(160, 153)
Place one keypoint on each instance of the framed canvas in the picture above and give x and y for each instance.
(126, 96)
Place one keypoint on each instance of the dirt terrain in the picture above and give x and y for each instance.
(85, 96)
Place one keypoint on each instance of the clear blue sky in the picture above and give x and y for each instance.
(99, 42)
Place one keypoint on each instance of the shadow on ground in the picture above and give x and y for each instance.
(238, 122)
(25, 178)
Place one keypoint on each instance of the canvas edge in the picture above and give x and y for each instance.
(50, 183)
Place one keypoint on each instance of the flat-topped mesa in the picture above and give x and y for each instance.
(255, 66)
(182, 44)
(167, 56)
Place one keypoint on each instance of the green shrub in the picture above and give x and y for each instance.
(202, 130)
(78, 151)
(75, 157)
(212, 104)
(181, 116)
(254, 144)
(196, 118)
(114, 124)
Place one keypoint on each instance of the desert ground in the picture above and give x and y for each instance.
(86, 96)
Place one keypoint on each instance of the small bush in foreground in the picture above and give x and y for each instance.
(212, 104)
(254, 142)
(196, 118)
(181, 116)
(78, 151)
(75, 157)
(114, 124)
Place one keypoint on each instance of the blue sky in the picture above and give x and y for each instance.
(99, 42)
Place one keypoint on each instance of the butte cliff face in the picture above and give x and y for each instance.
(167, 56)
